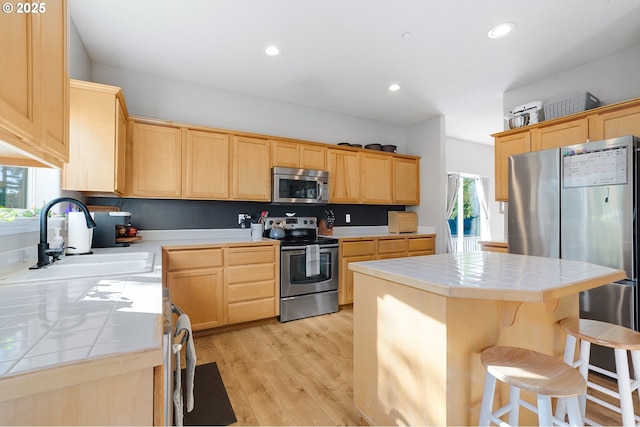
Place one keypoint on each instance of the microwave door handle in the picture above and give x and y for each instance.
(319, 190)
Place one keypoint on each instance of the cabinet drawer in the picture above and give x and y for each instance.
(249, 255)
(251, 310)
(251, 291)
(421, 244)
(251, 273)
(494, 247)
(388, 246)
(392, 255)
(421, 253)
(193, 258)
(364, 247)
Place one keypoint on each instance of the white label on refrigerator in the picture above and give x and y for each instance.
(603, 167)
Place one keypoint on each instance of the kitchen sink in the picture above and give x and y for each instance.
(92, 265)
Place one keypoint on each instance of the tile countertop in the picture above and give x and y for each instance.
(491, 275)
(54, 323)
(44, 324)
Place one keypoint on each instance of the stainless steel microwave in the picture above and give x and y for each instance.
(299, 186)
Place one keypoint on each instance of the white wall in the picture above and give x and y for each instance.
(427, 139)
(477, 159)
(612, 79)
(161, 98)
(79, 62)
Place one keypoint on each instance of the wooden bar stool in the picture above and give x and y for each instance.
(621, 340)
(529, 370)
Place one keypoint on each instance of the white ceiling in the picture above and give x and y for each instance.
(340, 55)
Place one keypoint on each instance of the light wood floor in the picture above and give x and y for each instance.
(301, 372)
(294, 373)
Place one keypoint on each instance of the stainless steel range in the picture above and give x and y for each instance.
(308, 268)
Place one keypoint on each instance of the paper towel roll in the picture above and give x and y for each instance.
(80, 236)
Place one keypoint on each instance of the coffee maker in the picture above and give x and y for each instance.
(106, 235)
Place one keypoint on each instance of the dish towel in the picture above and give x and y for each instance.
(313, 260)
(184, 323)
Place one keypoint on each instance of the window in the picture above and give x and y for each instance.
(14, 185)
(465, 218)
(24, 190)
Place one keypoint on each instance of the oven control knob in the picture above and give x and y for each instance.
(305, 221)
(311, 221)
(270, 222)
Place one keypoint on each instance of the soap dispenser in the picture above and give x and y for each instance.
(57, 242)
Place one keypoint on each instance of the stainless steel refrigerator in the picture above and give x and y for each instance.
(579, 202)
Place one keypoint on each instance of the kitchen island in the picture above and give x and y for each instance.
(420, 324)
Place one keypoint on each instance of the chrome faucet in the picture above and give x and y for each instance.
(43, 247)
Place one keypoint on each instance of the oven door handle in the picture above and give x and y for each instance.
(302, 247)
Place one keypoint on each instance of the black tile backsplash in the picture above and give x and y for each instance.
(161, 214)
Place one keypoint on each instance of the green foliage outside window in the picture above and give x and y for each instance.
(469, 201)
(470, 210)
(13, 187)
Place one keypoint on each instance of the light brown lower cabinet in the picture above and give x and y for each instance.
(494, 246)
(206, 312)
(371, 248)
(223, 285)
(419, 246)
(252, 278)
(391, 248)
(115, 390)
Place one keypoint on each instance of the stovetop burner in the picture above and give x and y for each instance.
(299, 231)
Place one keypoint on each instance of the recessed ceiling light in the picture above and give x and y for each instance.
(407, 35)
(394, 87)
(272, 51)
(501, 30)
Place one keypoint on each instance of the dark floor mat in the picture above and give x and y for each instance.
(211, 403)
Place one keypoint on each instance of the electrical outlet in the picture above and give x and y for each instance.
(347, 218)
(241, 218)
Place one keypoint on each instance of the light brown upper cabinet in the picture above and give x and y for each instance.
(285, 154)
(567, 133)
(156, 160)
(250, 168)
(376, 179)
(299, 155)
(165, 159)
(206, 173)
(344, 175)
(55, 80)
(34, 89)
(504, 147)
(313, 156)
(606, 122)
(618, 122)
(18, 100)
(406, 180)
(97, 139)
